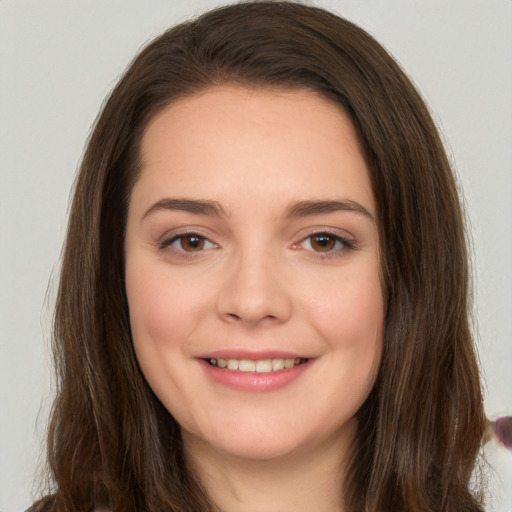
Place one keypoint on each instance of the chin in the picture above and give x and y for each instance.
(261, 449)
(269, 442)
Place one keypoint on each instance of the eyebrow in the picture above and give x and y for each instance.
(298, 209)
(306, 208)
(199, 207)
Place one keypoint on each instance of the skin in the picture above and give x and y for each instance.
(259, 280)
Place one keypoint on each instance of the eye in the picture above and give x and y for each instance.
(325, 242)
(188, 242)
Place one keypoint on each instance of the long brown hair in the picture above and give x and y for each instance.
(420, 429)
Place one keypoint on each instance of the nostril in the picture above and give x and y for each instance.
(233, 317)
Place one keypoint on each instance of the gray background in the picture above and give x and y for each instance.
(58, 60)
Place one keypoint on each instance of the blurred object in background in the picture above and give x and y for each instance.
(497, 450)
(502, 431)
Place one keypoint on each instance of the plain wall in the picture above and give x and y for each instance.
(59, 59)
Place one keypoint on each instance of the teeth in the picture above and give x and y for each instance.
(277, 364)
(259, 366)
(264, 366)
(232, 364)
(246, 366)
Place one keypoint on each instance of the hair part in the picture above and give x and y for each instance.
(420, 428)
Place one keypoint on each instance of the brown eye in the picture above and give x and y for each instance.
(323, 242)
(328, 244)
(188, 243)
(191, 243)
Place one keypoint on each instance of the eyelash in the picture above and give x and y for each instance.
(169, 241)
(345, 243)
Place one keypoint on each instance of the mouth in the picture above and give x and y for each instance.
(264, 372)
(256, 366)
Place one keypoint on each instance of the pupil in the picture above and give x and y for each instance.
(193, 243)
(323, 243)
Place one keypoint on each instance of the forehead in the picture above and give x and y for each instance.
(257, 142)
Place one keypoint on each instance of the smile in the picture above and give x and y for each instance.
(269, 373)
(257, 366)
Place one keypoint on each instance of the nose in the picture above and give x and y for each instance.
(254, 293)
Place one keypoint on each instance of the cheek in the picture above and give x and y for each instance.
(150, 309)
(162, 310)
(164, 313)
(350, 304)
(349, 315)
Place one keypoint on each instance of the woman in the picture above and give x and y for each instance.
(264, 291)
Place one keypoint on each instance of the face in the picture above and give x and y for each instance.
(252, 271)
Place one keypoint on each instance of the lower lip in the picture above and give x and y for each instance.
(254, 381)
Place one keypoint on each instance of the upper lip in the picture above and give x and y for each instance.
(252, 354)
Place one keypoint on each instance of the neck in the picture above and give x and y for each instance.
(301, 482)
